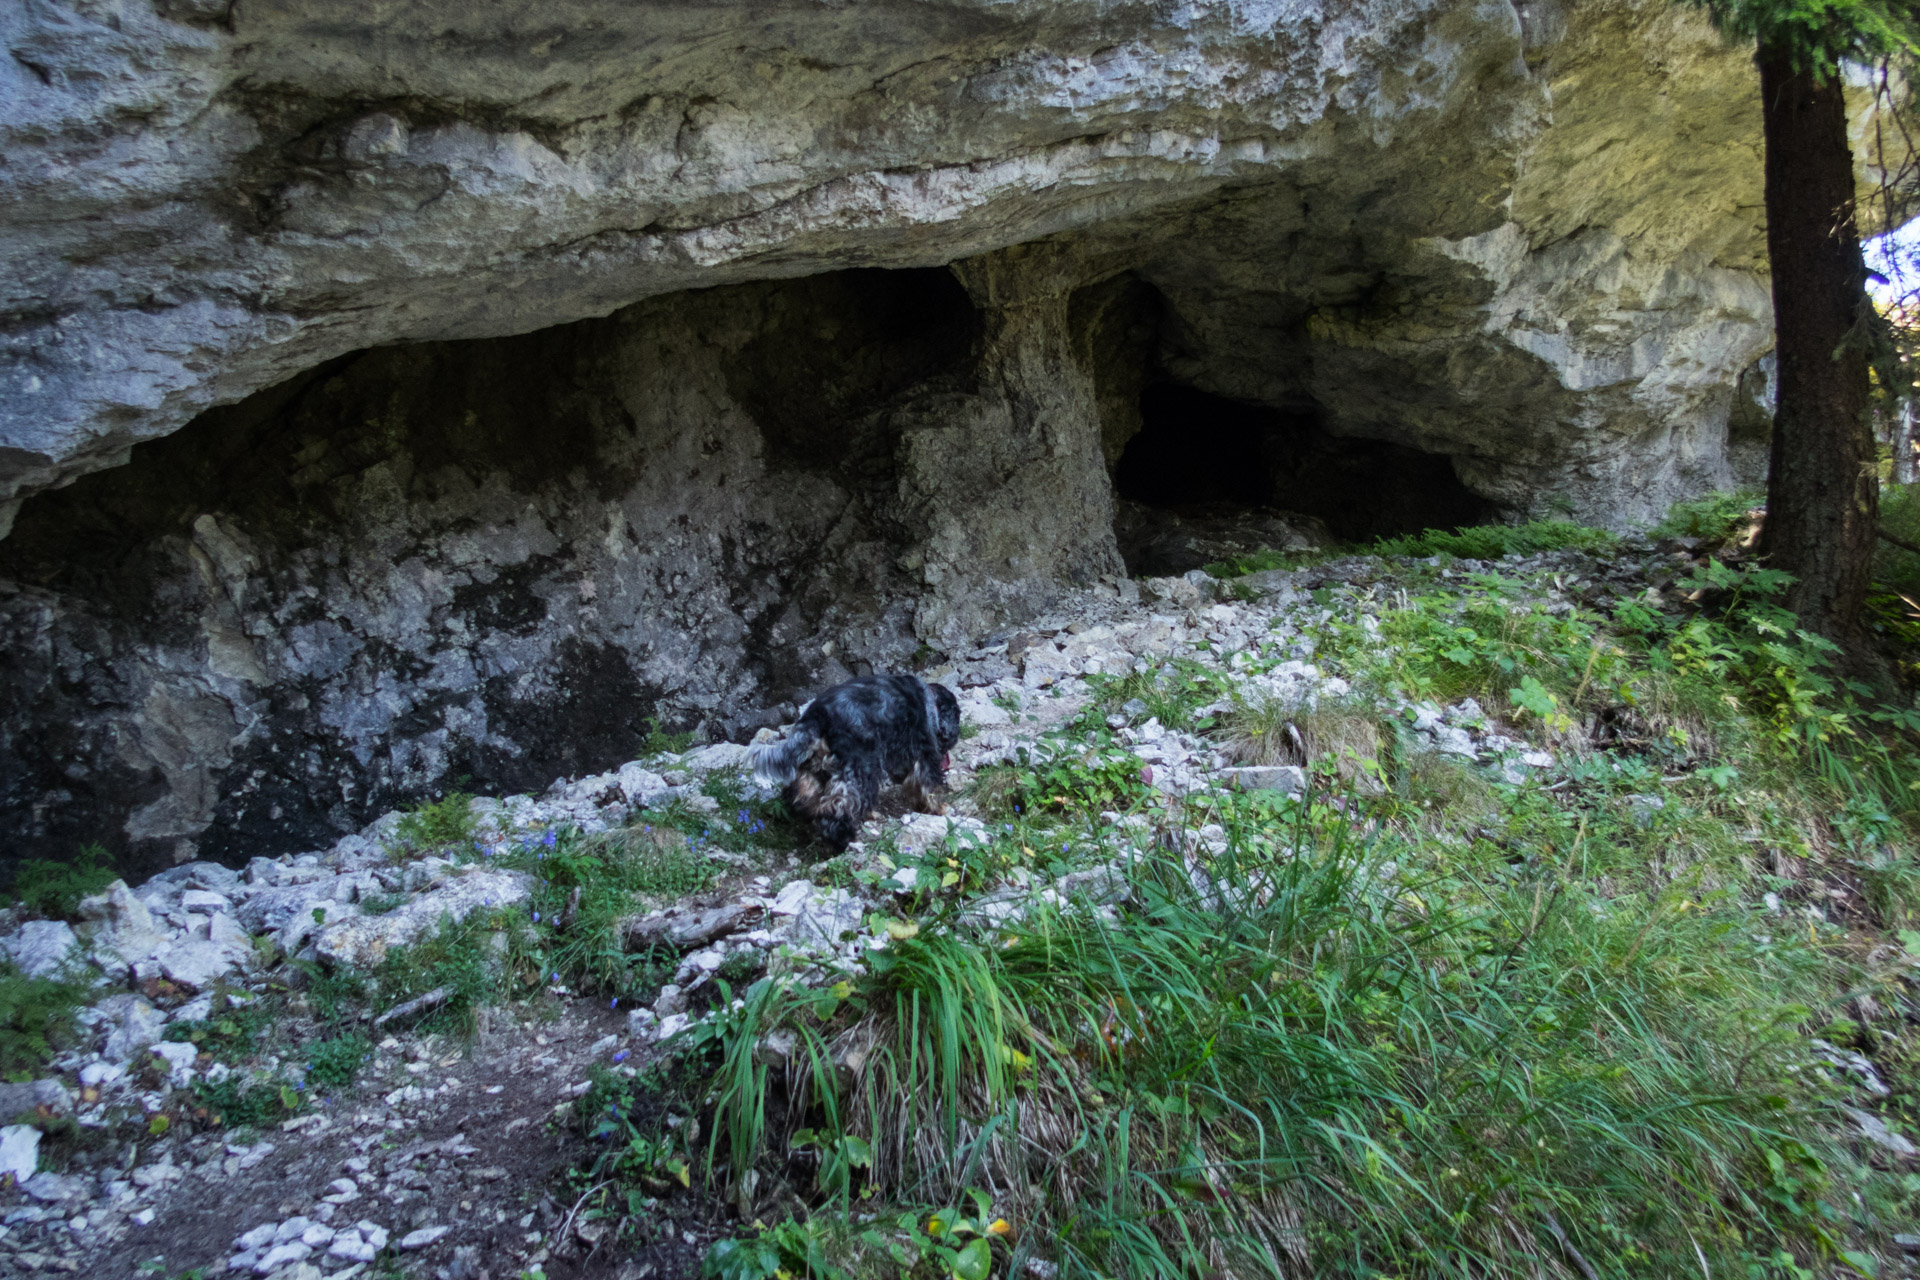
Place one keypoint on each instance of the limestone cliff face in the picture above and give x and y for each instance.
(667, 443)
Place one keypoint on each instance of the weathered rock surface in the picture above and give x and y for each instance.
(1514, 249)
(365, 940)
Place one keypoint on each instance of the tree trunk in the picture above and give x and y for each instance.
(1822, 494)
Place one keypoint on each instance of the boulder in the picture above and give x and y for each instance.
(363, 941)
(1288, 778)
(19, 1151)
(40, 947)
(20, 1099)
(118, 926)
(131, 1023)
(197, 965)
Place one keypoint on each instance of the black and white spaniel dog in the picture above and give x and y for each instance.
(855, 738)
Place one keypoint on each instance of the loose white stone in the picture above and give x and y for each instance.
(422, 1238)
(19, 1151)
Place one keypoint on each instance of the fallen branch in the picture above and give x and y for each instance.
(1901, 543)
(1566, 1247)
(416, 1006)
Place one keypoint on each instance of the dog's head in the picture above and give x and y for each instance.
(947, 718)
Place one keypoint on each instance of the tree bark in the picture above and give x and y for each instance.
(1822, 492)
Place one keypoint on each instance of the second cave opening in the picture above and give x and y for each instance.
(1212, 464)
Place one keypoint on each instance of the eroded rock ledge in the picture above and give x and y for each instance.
(1524, 236)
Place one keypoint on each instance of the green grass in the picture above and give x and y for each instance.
(1331, 1071)
(54, 889)
(1493, 541)
(1433, 1024)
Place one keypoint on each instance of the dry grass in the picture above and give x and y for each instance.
(1268, 731)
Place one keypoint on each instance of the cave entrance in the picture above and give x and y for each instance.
(1207, 477)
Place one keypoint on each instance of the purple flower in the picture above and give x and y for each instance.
(549, 840)
(536, 917)
(620, 1056)
(615, 1004)
(556, 977)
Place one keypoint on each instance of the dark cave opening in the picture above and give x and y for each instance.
(1205, 460)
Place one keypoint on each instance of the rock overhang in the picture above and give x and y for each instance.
(211, 198)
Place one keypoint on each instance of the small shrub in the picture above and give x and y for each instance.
(54, 889)
(1175, 693)
(445, 823)
(476, 959)
(1085, 782)
(1492, 541)
(333, 1064)
(241, 1103)
(231, 1032)
(37, 1018)
(1712, 518)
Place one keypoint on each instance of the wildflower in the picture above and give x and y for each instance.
(620, 1056)
(556, 977)
(536, 917)
(615, 1004)
(549, 840)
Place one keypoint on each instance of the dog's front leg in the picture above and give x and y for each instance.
(920, 792)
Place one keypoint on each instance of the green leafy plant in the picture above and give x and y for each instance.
(785, 1249)
(1493, 541)
(241, 1102)
(38, 1016)
(1255, 562)
(1711, 518)
(54, 889)
(333, 1064)
(446, 823)
(660, 741)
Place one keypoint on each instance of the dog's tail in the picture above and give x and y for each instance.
(775, 763)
